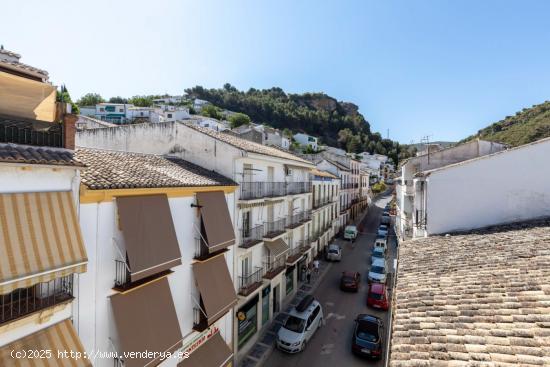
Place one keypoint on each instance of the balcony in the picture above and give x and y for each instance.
(305, 245)
(252, 236)
(294, 188)
(322, 202)
(259, 190)
(294, 255)
(347, 186)
(274, 267)
(24, 301)
(274, 228)
(249, 283)
(296, 220)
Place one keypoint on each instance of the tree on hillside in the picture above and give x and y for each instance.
(344, 136)
(354, 144)
(239, 119)
(141, 101)
(118, 99)
(211, 111)
(90, 99)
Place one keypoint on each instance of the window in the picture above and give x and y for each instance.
(121, 110)
(102, 109)
(246, 224)
(169, 115)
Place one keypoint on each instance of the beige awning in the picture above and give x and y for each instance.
(59, 339)
(149, 234)
(40, 239)
(146, 320)
(276, 248)
(216, 220)
(214, 353)
(215, 286)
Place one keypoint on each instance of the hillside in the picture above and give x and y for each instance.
(335, 122)
(526, 126)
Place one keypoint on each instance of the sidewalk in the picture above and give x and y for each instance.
(266, 342)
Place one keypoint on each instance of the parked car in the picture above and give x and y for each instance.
(386, 219)
(377, 271)
(367, 336)
(377, 254)
(350, 233)
(381, 242)
(377, 296)
(334, 253)
(383, 230)
(303, 321)
(350, 281)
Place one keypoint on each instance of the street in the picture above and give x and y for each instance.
(331, 345)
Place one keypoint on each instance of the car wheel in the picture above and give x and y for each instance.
(320, 323)
(304, 345)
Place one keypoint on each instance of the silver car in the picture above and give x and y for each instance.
(334, 253)
(377, 271)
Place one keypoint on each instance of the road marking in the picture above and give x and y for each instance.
(336, 316)
(329, 304)
(326, 349)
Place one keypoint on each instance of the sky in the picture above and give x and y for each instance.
(415, 68)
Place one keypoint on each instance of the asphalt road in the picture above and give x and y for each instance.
(331, 345)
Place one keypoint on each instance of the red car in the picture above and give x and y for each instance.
(350, 281)
(378, 296)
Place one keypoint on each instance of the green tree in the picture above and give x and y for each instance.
(118, 99)
(141, 101)
(64, 96)
(211, 111)
(239, 119)
(90, 99)
(344, 137)
(354, 144)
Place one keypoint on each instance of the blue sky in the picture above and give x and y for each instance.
(441, 68)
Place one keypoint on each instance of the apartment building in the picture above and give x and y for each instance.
(306, 140)
(326, 211)
(406, 190)
(156, 230)
(272, 211)
(343, 173)
(41, 246)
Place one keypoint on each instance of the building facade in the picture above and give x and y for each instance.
(306, 140)
(326, 209)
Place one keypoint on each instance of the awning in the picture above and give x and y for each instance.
(216, 220)
(215, 286)
(214, 353)
(40, 239)
(146, 320)
(277, 247)
(149, 234)
(58, 338)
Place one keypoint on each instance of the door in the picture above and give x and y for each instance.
(247, 172)
(245, 266)
(269, 174)
(276, 299)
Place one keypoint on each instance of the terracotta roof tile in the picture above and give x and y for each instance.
(478, 298)
(28, 154)
(123, 170)
(247, 145)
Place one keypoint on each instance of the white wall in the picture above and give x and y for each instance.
(505, 187)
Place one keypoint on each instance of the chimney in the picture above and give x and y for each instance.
(69, 131)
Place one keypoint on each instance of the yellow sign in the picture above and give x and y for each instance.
(241, 316)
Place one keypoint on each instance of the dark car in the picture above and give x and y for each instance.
(378, 296)
(385, 219)
(367, 336)
(350, 281)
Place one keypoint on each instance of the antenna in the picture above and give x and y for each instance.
(426, 141)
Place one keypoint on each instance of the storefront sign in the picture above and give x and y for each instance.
(248, 320)
(200, 339)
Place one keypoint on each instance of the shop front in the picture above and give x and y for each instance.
(247, 317)
(289, 280)
(265, 304)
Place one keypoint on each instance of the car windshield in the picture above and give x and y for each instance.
(295, 324)
(332, 251)
(376, 296)
(347, 279)
(377, 269)
(378, 254)
(367, 331)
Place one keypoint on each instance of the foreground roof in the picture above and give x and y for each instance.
(123, 170)
(28, 154)
(480, 298)
(247, 145)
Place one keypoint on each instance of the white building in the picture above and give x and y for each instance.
(263, 134)
(42, 254)
(208, 122)
(198, 104)
(156, 229)
(343, 173)
(112, 112)
(306, 140)
(168, 100)
(135, 113)
(482, 191)
(405, 188)
(326, 208)
(167, 113)
(272, 211)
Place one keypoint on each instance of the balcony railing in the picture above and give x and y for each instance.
(294, 188)
(122, 274)
(304, 244)
(274, 228)
(249, 283)
(322, 202)
(294, 254)
(273, 267)
(24, 301)
(200, 322)
(258, 190)
(252, 236)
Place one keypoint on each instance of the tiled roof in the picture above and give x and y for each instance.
(25, 68)
(337, 164)
(122, 170)
(321, 173)
(9, 53)
(247, 145)
(28, 154)
(475, 299)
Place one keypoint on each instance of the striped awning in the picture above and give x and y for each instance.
(40, 237)
(59, 340)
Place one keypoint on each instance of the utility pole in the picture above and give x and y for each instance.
(426, 141)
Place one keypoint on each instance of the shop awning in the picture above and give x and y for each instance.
(40, 239)
(215, 286)
(214, 353)
(149, 234)
(216, 220)
(146, 320)
(276, 248)
(58, 338)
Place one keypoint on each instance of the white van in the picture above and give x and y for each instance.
(303, 321)
(350, 233)
(381, 242)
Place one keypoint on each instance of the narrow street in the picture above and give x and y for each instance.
(331, 345)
